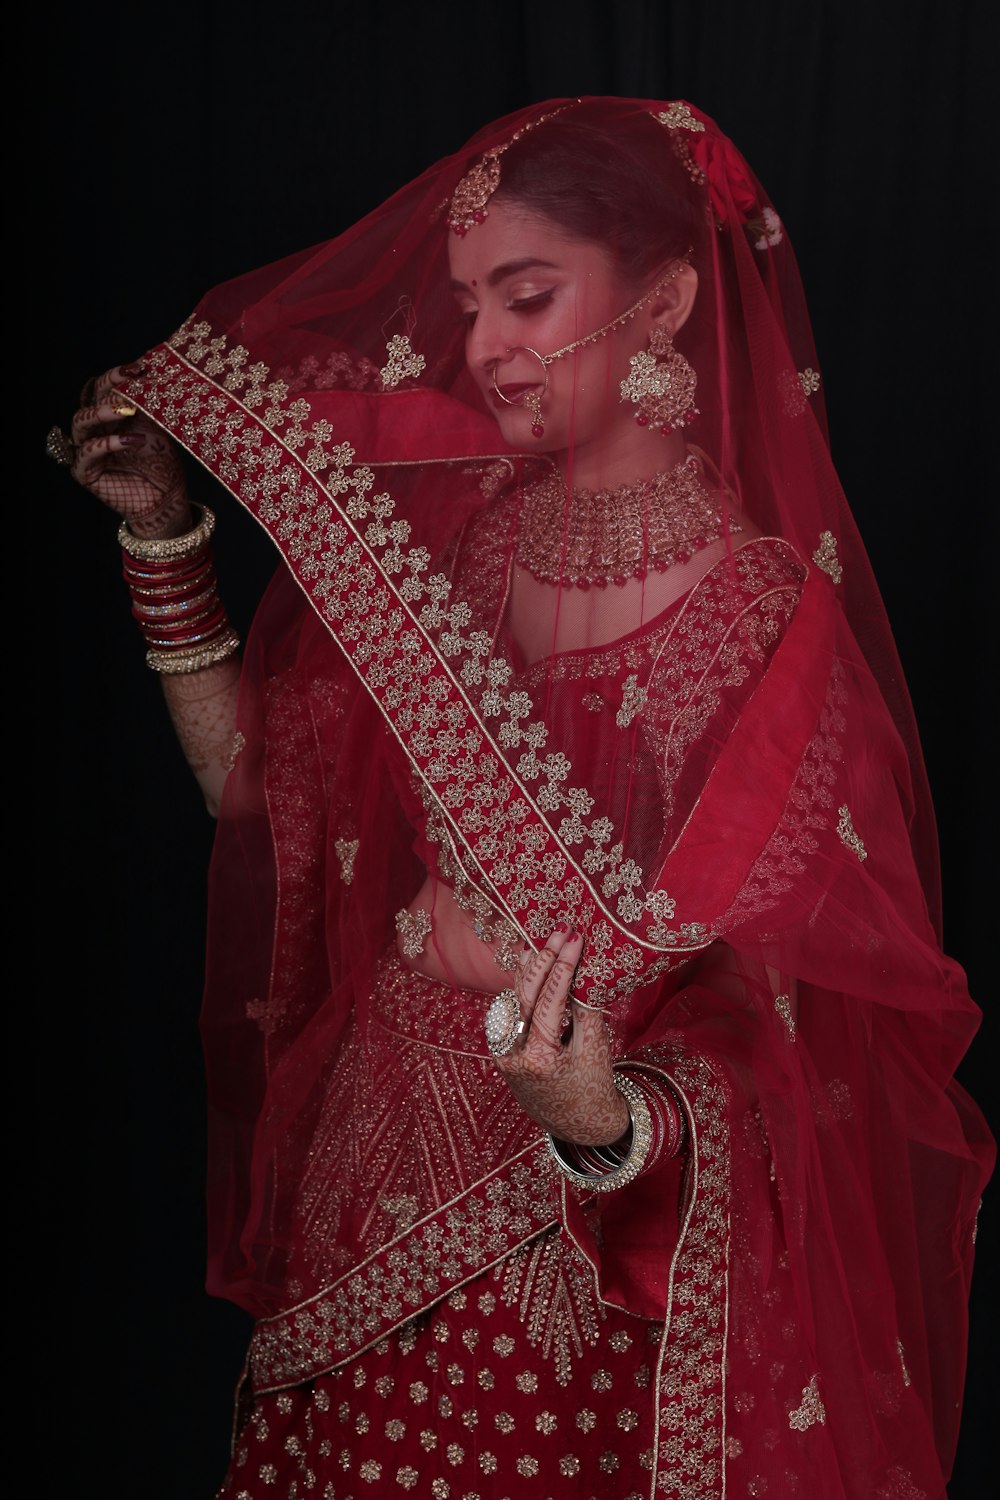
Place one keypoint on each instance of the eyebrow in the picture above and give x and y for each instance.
(509, 268)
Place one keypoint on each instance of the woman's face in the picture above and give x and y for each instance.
(520, 281)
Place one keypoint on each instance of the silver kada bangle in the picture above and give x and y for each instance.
(629, 1168)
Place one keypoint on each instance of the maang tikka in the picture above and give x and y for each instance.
(661, 385)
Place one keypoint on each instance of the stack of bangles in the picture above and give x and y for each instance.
(175, 598)
(657, 1133)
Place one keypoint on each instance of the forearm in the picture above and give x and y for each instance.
(175, 602)
(202, 707)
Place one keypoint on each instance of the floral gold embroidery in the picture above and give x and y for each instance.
(267, 1013)
(811, 1410)
(847, 835)
(414, 927)
(678, 116)
(809, 380)
(899, 1486)
(633, 701)
(825, 556)
(411, 1272)
(346, 851)
(239, 740)
(783, 1006)
(396, 619)
(402, 361)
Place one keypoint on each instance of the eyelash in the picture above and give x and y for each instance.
(526, 305)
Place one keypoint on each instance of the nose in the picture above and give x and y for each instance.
(486, 345)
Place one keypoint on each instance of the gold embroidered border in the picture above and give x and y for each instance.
(281, 465)
(410, 1274)
(688, 1456)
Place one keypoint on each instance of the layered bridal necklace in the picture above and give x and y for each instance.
(596, 537)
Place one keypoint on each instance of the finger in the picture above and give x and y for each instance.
(589, 1037)
(103, 385)
(92, 452)
(88, 418)
(535, 967)
(547, 1016)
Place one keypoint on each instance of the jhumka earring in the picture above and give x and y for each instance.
(661, 385)
(530, 400)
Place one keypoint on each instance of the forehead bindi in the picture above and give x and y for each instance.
(510, 242)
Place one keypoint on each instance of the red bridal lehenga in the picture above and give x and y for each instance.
(727, 800)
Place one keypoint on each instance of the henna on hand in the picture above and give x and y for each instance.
(563, 1080)
(128, 462)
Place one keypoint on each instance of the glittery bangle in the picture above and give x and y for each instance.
(176, 608)
(158, 549)
(638, 1153)
(170, 662)
(162, 583)
(669, 1117)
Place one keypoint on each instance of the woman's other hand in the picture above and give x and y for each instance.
(560, 1070)
(126, 461)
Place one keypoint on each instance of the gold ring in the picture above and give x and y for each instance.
(58, 447)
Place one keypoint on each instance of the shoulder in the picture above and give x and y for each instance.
(760, 580)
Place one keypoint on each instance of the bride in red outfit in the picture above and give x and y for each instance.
(581, 1048)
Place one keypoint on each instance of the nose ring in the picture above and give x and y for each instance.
(532, 400)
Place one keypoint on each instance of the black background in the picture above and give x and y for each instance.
(182, 146)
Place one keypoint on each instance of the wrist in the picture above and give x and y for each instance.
(174, 598)
(654, 1133)
(172, 518)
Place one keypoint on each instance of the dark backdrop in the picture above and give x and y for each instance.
(182, 146)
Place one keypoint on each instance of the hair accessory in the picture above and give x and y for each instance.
(504, 1023)
(531, 400)
(476, 188)
(661, 385)
(59, 447)
(597, 537)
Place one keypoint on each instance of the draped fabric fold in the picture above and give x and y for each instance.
(716, 780)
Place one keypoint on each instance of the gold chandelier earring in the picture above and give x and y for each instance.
(661, 384)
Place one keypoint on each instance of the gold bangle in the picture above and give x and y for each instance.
(158, 549)
(172, 663)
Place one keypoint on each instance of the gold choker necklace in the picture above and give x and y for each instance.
(597, 537)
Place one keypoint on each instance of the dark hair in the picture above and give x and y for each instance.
(617, 183)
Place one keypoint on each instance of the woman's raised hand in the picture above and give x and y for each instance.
(560, 1070)
(126, 461)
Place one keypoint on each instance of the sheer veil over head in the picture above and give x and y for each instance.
(573, 615)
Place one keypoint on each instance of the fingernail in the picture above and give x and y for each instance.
(574, 936)
(561, 927)
(124, 409)
(133, 369)
(132, 439)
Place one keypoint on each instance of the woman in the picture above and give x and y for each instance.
(581, 1049)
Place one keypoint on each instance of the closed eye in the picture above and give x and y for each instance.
(532, 304)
